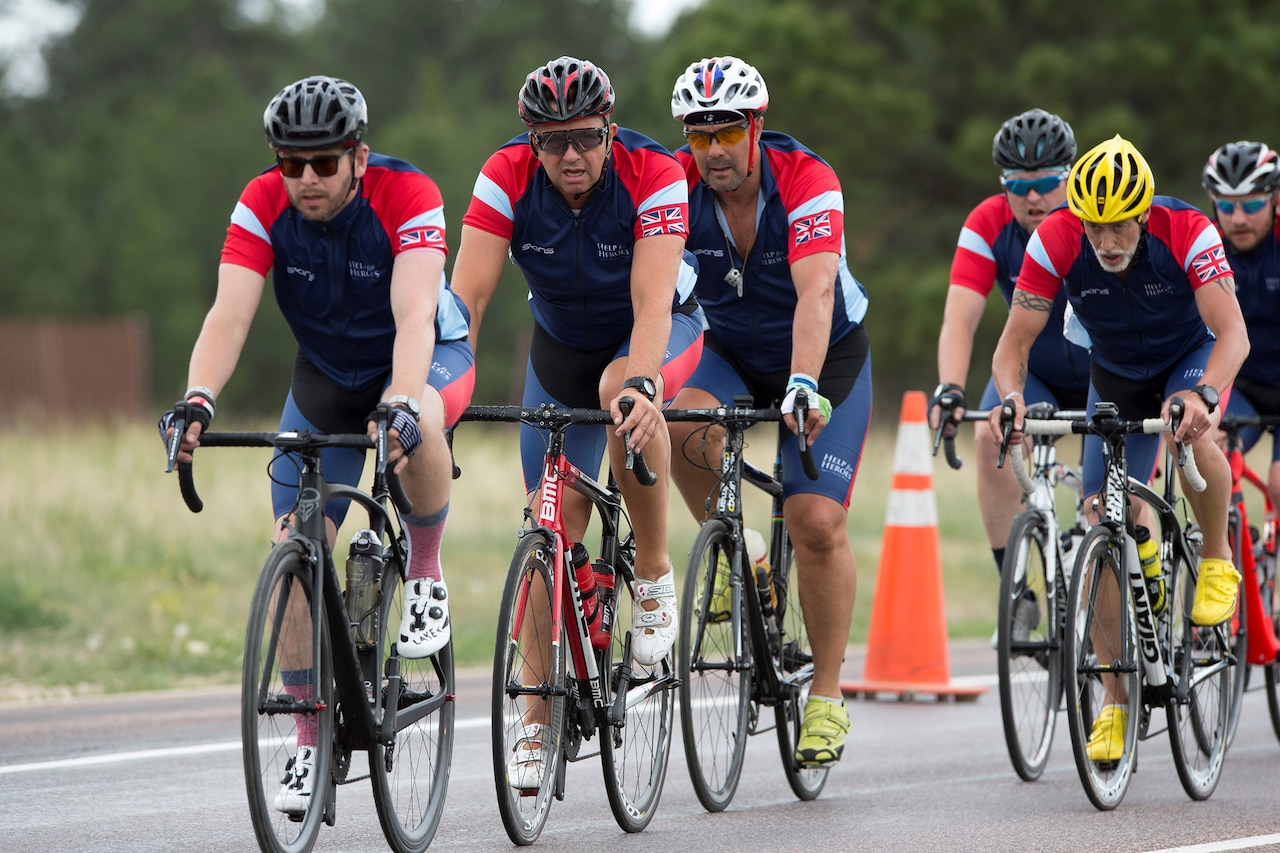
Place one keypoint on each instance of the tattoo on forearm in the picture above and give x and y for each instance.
(1022, 375)
(1031, 301)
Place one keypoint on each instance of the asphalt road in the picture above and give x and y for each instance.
(161, 772)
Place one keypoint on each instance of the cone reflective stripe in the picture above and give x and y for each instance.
(907, 638)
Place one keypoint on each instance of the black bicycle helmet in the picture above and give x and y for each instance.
(316, 112)
(1241, 168)
(1033, 140)
(564, 89)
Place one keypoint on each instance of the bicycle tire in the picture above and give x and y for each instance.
(1200, 709)
(715, 673)
(524, 648)
(634, 751)
(411, 774)
(793, 659)
(1240, 629)
(1029, 668)
(268, 730)
(1099, 573)
(1270, 592)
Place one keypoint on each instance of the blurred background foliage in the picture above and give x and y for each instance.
(122, 173)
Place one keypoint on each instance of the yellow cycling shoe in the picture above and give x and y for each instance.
(1106, 743)
(1216, 585)
(822, 733)
(721, 604)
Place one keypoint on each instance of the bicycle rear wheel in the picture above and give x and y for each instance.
(281, 695)
(1200, 710)
(635, 749)
(715, 670)
(411, 774)
(794, 662)
(1028, 648)
(1101, 665)
(529, 686)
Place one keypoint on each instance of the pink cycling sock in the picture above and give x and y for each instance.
(425, 534)
(297, 683)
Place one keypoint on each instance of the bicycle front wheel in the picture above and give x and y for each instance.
(793, 659)
(1102, 667)
(634, 749)
(715, 669)
(1238, 628)
(529, 688)
(411, 771)
(286, 696)
(1271, 610)
(1200, 710)
(1028, 650)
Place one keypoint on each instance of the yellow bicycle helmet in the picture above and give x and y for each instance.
(1110, 182)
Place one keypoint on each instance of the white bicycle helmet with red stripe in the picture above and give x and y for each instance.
(1241, 168)
(717, 90)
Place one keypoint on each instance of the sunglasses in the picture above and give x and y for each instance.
(726, 136)
(325, 166)
(1226, 208)
(556, 142)
(1043, 186)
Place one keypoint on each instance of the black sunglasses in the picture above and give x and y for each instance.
(556, 142)
(325, 166)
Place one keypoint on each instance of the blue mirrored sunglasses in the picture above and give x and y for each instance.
(1226, 208)
(1044, 186)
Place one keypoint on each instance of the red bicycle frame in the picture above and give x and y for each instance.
(1263, 646)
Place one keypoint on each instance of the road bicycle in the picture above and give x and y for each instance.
(1257, 623)
(548, 672)
(1120, 649)
(363, 696)
(1034, 581)
(742, 645)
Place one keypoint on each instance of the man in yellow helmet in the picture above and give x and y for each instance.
(1149, 281)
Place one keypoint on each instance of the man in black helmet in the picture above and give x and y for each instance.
(355, 241)
(595, 217)
(1033, 150)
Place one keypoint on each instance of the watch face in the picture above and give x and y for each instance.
(1209, 394)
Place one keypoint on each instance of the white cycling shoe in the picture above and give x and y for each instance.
(424, 626)
(653, 632)
(296, 786)
(528, 762)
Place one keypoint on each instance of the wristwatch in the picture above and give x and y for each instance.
(406, 402)
(1210, 396)
(644, 385)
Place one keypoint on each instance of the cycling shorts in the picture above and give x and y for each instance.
(1035, 391)
(1139, 400)
(570, 378)
(1248, 399)
(845, 380)
(317, 403)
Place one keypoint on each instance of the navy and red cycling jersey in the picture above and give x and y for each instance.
(801, 211)
(578, 263)
(989, 252)
(1142, 324)
(1257, 273)
(333, 279)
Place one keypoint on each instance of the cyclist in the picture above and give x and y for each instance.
(1033, 150)
(1242, 179)
(1149, 281)
(784, 314)
(355, 242)
(594, 216)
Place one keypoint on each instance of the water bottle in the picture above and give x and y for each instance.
(758, 555)
(364, 574)
(605, 596)
(580, 562)
(1149, 557)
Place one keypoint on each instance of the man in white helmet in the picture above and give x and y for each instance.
(766, 221)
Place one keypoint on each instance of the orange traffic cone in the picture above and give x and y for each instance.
(907, 640)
